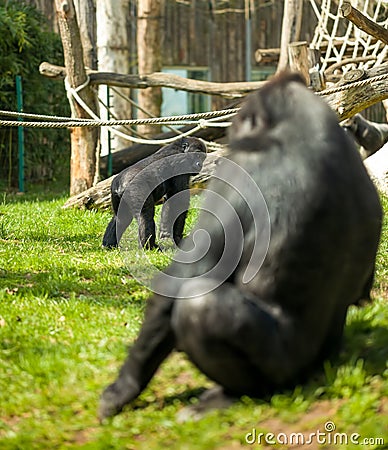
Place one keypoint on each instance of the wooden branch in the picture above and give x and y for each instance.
(267, 55)
(317, 80)
(363, 23)
(229, 90)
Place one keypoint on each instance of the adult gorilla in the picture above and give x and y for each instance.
(256, 333)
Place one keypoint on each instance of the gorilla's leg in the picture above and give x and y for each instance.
(154, 343)
(145, 219)
(172, 220)
(245, 345)
(110, 238)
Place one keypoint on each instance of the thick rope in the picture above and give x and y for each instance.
(68, 122)
(354, 84)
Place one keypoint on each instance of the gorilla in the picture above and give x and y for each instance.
(257, 333)
(137, 189)
(371, 136)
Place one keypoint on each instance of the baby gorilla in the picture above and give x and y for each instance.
(136, 190)
(253, 334)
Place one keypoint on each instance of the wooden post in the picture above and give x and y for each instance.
(292, 21)
(298, 59)
(149, 52)
(113, 56)
(83, 140)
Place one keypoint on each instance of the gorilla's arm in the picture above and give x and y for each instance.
(172, 221)
(154, 343)
(174, 210)
(146, 224)
(110, 238)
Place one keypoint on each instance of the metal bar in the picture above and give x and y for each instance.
(19, 98)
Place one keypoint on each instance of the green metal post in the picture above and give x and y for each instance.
(19, 98)
(110, 164)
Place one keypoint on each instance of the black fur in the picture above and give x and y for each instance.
(137, 189)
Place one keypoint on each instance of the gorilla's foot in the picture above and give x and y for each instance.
(211, 399)
(114, 398)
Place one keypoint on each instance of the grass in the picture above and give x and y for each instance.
(68, 310)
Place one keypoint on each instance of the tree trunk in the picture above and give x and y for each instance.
(149, 45)
(83, 140)
(86, 17)
(113, 56)
(292, 21)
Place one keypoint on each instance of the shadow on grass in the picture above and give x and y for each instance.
(72, 281)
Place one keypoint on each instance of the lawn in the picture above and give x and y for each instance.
(68, 311)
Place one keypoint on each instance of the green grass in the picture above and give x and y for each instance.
(69, 309)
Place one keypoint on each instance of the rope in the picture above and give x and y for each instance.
(74, 94)
(38, 116)
(108, 123)
(347, 86)
(68, 122)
